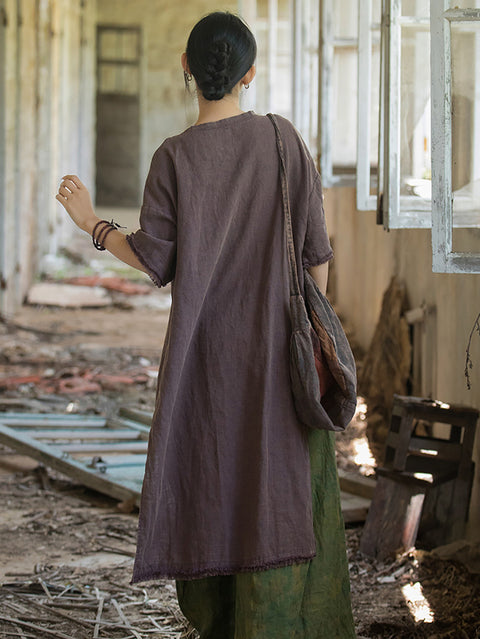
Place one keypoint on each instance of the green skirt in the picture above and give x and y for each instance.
(304, 601)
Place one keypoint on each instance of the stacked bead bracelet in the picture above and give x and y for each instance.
(100, 232)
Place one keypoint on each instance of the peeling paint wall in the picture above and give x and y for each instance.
(46, 118)
(366, 257)
(165, 107)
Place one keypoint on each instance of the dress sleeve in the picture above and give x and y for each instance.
(316, 248)
(155, 243)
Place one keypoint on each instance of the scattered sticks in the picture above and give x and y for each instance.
(60, 605)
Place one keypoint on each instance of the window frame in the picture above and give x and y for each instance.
(365, 200)
(328, 43)
(444, 258)
(395, 211)
(305, 90)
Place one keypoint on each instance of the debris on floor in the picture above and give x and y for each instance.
(64, 547)
(67, 295)
(112, 283)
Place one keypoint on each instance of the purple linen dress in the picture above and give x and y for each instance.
(227, 481)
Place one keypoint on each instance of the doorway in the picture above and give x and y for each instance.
(118, 116)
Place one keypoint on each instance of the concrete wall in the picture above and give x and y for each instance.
(366, 257)
(165, 108)
(46, 122)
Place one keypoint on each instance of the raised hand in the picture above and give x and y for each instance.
(75, 198)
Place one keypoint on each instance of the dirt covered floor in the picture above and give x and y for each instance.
(66, 552)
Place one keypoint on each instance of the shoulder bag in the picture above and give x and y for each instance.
(322, 367)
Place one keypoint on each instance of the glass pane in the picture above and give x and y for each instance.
(129, 45)
(274, 85)
(129, 80)
(106, 78)
(108, 45)
(282, 95)
(262, 9)
(416, 8)
(345, 17)
(375, 95)
(345, 77)
(261, 79)
(464, 4)
(284, 9)
(415, 107)
(465, 50)
(344, 108)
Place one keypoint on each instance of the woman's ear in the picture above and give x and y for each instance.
(250, 74)
(185, 63)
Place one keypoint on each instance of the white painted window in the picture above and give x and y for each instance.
(305, 69)
(405, 137)
(369, 47)
(287, 35)
(272, 24)
(455, 27)
(338, 91)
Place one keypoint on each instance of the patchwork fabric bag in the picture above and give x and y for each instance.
(322, 367)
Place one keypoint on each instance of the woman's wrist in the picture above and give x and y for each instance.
(90, 224)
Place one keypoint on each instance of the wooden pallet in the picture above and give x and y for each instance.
(107, 455)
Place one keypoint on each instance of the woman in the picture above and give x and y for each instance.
(232, 473)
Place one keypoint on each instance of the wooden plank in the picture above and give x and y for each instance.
(393, 519)
(435, 447)
(354, 508)
(57, 459)
(75, 433)
(356, 484)
(118, 422)
(29, 420)
(117, 461)
(136, 415)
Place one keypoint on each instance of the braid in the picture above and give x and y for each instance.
(216, 80)
(220, 50)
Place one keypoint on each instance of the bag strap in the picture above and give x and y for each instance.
(292, 262)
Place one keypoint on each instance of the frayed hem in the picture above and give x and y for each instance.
(158, 282)
(215, 572)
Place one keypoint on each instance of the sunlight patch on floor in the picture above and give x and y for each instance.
(362, 455)
(417, 603)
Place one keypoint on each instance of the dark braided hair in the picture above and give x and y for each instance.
(220, 51)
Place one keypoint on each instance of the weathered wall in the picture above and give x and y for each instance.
(366, 257)
(46, 120)
(165, 108)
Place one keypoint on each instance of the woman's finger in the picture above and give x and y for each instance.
(75, 179)
(64, 191)
(69, 184)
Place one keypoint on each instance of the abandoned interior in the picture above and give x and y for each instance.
(386, 94)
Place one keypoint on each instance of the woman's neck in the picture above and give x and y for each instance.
(213, 110)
